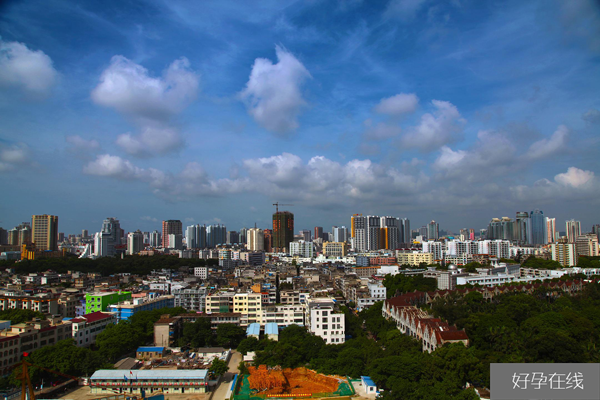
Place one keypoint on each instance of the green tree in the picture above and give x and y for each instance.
(218, 367)
(230, 335)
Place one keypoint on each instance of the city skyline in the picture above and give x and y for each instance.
(456, 112)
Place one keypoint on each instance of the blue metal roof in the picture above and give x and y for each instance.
(368, 381)
(150, 349)
(272, 328)
(116, 374)
(253, 329)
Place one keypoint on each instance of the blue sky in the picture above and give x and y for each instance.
(457, 111)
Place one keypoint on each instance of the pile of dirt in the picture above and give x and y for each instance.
(295, 381)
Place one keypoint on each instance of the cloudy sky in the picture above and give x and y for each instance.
(208, 112)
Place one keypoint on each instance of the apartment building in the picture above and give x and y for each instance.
(88, 326)
(249, 305)
(219, 302)
(44, 303)
(193, 299)
(124, 310)
(323, 320)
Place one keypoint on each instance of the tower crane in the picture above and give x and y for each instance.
(277, 204)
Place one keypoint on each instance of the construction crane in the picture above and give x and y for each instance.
(27, 386)
(280, 204)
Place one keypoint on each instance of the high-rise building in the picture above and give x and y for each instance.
(522, 229)
(423, 232)
(340, 234)
(155, 239)
(538, 228)
(44, 232)
(318, 232)
(216, 235)
(550, 230)
(268, 234)
(564, 252)
(433, 230)
(306, 235)
(283, 230)
(135, 242)
(373, 228)
(85, 234)
(471, 234)
(25, 235)
(406, 232)
(302, 248)
(359, 232)
(596, 230)
(390, 233)
(13, 237)
(243, 238)
(587, 245)
(170, 227)
(3, 236)
(109, 237)
(573, 230)
(233, 237)
(255, 239)
(175, 241)
(500, 229)
(191, 239)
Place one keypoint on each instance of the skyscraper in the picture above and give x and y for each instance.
(216, 235)
(283, 230)
(550, 230)
(191, 239)
(155, 239)
(44, 232)
(268, 234)
(538, 227)
(106, 240)
(233, 237)
(373, 228)
(255, 239)
(135, 242)
(433, 230)
(170, 227)
(340, 233)
(318, 232)
(390, 233)
(306, 235)
(359, 232)
(522, 230)
(573, 230)
(406, 234)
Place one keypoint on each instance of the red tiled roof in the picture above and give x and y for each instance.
(96, 316)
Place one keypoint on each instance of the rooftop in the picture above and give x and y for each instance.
(150, 374)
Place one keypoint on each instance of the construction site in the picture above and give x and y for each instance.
(263, 382)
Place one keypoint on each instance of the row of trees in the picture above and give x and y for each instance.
(200, 334)
(400, 283)
(107, 265)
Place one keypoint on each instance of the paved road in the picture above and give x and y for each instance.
(228, 377)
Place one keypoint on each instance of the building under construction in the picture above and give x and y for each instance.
(283, 231)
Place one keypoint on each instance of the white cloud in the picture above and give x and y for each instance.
(397, 105)
(28, 70)
(575, 184)
(403, 9)
(13, 156)
(149, 218)
(154, 139)
(591, 116)
(449, 158)
(113, 167)
(272, 94)
(575, 177)
(381, 131)
(435, 130)
(79, 144)
(552, 145)
(128, 88)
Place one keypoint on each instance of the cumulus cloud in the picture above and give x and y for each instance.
(575, 177)
(273, 94)
(435, 130)
(113, 167)
(381, 131)
(13, 156)
(591, 116)
(79, 144)
(149, 218)
(397, 105)
(153, 139)
(575, 184)
(403, 9)
(550, 146)
(493, 154)
(128, 88)
(30, 71)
